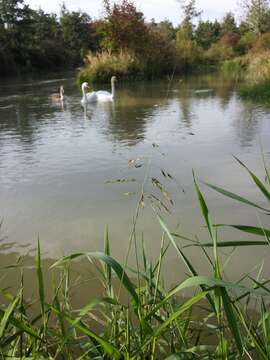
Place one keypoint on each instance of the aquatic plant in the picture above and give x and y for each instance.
(135, 315)
(257, 79)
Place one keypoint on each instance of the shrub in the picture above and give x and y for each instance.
(101, 66)
(262, 43)
(188, 52)
(259, 67)
(229, 39)
(219, 52)
(258, 91)
(235, 66)
(246, 42)
(257, 84)
(160, 54)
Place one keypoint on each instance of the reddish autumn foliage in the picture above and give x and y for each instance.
(229, 39)
(124, 28)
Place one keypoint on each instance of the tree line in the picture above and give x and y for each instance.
(35, 40)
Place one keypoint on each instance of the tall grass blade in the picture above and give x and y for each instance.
(107, 347)
(231, 318)
(260, 231)
(235, 196)
(40, 280)
(8, 313)
(108, 260)
(256, 180)
(183, 257)
(183, 308)
(21, 326)
(223, 244)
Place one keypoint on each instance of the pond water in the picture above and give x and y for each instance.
(59, 165)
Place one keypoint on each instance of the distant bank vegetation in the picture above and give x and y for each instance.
(123, 43)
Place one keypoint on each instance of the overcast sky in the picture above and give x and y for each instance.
(158, 9)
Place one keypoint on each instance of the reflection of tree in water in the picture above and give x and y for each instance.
(202, 88)
(127, 118)
(187, 115)
(24, 117)
(205, 87)
(247, 123)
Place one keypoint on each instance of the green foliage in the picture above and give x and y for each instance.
(76, 33)
(219, 52)
(262, 43)
(167, 29)
(190, 13)
(207, 33)
(256, 92)
(259, 67)
(100, 67)
(228, 24)
(32, 39)
(257, 15)
(246, 42)
(124, 28)
(257, 78)
(188, 51)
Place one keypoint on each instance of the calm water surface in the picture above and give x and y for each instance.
(58, 165)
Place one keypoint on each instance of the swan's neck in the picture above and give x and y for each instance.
(84, 94)
(113, 89)
(62, 93)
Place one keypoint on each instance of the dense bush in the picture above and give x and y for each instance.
(246, 42)
(219, 53)
(189, 53)
(257, 84)
(262, 43)
(258, 69)
(101, 66)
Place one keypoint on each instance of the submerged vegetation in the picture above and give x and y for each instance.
(136, 316)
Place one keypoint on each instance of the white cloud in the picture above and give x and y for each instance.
(158, 9)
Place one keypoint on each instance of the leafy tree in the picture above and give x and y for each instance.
(166, 27)
(188, 51)
(11, 11)
(124, 27)
(207, 33)
(257, 15)
(76, 28)
(190, 13)
(228, 24)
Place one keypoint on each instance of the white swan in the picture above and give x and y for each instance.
(106, 95)
(88, 97)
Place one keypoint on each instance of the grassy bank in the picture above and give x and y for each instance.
(135, 316)
(257, 77)
(100, 67)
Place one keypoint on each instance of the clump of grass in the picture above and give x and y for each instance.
(149, 322)
(258, 70)
(257, 91)
(100, 67)
(235, 66)
(257, 84)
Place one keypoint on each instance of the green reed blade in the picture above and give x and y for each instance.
(235, 196)
(236, 243)
(107, 347)
(256, 180)
(109, 261)
(8, 313)
(231, 318)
